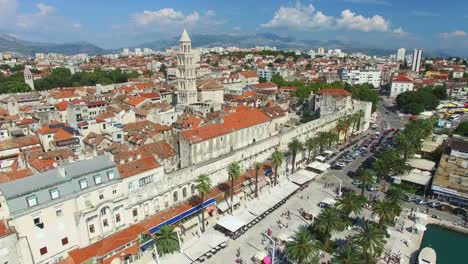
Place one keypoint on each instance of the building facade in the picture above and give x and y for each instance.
(417, 56)
(186, 72)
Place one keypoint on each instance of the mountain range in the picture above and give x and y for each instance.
(28, 48)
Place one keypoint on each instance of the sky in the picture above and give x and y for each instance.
(411, 24)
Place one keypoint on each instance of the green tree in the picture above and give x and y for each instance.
(258, 167)
(294, 147)
(203, 186)
(462, 129)
(384, 210)
(351, 203)
(302, 248)
(333, 138)
(166, 240)
(395, 195)
(311, 145)
(348, 254)
(323, 140)
(371, 240)
(366, 178)
(277, 159)
(328, 223)
(234, 173)
(163, 69)
(440, 92)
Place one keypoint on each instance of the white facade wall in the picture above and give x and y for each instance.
(400, 87)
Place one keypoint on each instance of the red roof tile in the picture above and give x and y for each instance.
(402, 78)
(334, 92)
(248, 74)
(138, 166)
(264, 85)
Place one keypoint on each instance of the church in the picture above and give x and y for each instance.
(194, 96)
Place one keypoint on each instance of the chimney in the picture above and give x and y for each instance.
(130, 159)
(138, 157)
(122, 161)
(61, 171)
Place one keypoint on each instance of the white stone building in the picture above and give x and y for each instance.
(401, 84)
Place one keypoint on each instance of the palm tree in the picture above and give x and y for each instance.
(258, 167)
(359, 116)
(352, 120)
(294, 147)
(348, 122)
(366, 178)
(351, 203)
(322, 139)
(327, 223)
(276, 160)
(166, 240)
(395, 195)
(371, 240)
(384, 211)
(311, 144)
(233, 174)
(340, 126)
(381, 168)
(302, 248)
(332, 138)
(203, 187)
(348, 254)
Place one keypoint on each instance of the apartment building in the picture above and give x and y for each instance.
(361, 76)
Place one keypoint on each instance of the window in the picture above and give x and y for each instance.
(32, 200)
(54, 193)
(175, 196)
(101, 196)
(114, 191)
(145, 180)
(43, 250)
(64, 241)
(59, 212)
(119, 136)
(184, 192)
(135, 212)
(103, 211)
(110, 175)
(192, 189)
(117, 218)
(97, 179)
(105, 223)
(91, 229)
(83, 184)
(38, 222)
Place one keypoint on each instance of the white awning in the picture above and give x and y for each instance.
(329, 201)
(320, 158)
(246, 216)
(213, 238)
(303, 176)
(257, 207)
(176, 257)
(417, 178)
(328, 152)
(231, 223)
(421, 164)
(319, 166)
(222, 206)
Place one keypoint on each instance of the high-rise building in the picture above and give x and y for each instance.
(417, 55)
(401, 54)
(321, 51)
(186, 72)
(125, 51)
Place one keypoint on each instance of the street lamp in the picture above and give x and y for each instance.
(341, 182)
(156, 252)
(274, 247)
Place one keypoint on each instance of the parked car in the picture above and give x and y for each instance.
(422, 201)
(434, 204)
(372, 188)
(411, 198)
(356, 182)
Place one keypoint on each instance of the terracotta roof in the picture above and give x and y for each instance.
(42, 165)
(138, 166)
(334, 92)
(11, 176)
(152, 95)
(210, 84)
(162, 149)
(135, 100)
(19, 142)
(62, 134)
(402, 78)
(232, 122)
(274, 112)
(264, 85)
(248, 74)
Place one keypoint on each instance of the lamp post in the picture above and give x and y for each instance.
(156, 253)
(180, 241)
(274, 247)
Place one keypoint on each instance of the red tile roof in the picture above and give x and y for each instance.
(6, 177)
(135, 100)
(248, 74)
(138, 166)
(62, 106)
(402, 78)
(150, 95)
(232, 122)
(264, 85)
(334, 92)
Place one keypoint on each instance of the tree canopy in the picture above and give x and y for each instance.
(62, 77)
(462, 129)
(415, 102)
(13, 83)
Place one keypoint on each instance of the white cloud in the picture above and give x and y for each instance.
(454, 34)
(165, 17)
(307, 18)
(375, 2)
(299, 17)
(352, 21)
(44, 9)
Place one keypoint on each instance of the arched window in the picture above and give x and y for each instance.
(184, 192)
(157, 206)
(175, 197)
(103, 211)
(192, 189)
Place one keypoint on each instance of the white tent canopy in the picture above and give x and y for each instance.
(195, 249)
(231, 223)
(176, 257)
(417, 178)
(319, 166)
(320, 158)
(302, 176)
(421, 164)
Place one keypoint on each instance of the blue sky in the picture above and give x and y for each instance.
(381, 23)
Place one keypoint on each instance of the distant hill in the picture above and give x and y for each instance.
(27, 48)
